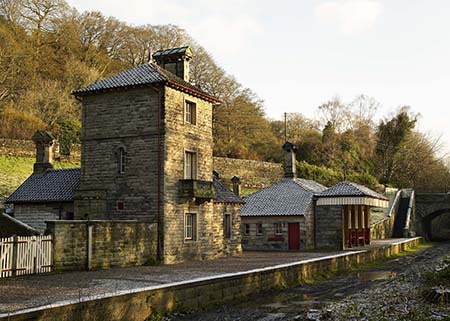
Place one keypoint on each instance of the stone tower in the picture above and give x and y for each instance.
(147, 150)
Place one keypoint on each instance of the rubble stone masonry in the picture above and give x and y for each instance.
(113, 244)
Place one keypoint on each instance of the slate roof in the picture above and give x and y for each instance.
(59, 185)
(172, 51)
(11, 226)
(223, 193)
(54, 185)
(348, 189)
(290, 196)
(140, 76)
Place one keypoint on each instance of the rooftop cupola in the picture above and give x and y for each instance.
(175, 60)
(44, 151)
(289, 163)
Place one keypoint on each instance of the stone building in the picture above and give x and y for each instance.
(147, 155)
(342, 215)
(280, 217)
(48, 193)
(300, 214)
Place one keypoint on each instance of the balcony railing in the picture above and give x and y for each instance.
(193, 188)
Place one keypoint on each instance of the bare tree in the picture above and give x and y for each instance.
(336, 113)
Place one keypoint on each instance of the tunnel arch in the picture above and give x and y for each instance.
(427, 221)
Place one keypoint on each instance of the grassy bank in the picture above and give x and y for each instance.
(15, 170)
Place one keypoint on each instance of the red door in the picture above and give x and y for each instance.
(294, 236)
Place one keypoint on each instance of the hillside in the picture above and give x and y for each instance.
(48, 49)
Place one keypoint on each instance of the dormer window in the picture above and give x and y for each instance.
(122, 160)
(190, 112)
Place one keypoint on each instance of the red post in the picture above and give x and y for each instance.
(350, 238)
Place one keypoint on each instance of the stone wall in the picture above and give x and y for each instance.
(268, 240)
(114, 244)
(232, 245)
(253, 174)
(384, 228)
(426, 205)
(329, 227)
(26, 148)
(17, 148)
(35, 214)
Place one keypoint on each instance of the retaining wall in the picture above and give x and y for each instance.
(140, 304)
(253, 174)
(113, 244)
(26, 148)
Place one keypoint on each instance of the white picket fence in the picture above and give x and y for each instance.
(25, 255)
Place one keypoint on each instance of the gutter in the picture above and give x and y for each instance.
(159, 247)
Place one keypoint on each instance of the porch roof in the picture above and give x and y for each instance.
(349, 193)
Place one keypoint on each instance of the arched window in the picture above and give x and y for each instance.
(122, 160)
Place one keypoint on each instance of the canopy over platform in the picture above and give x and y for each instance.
(349, 193)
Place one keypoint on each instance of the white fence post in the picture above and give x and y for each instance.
(6, 257)
(25, 255)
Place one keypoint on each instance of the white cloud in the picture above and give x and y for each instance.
(223, 27)
(350, 16)
(225, 34)
(136, 11)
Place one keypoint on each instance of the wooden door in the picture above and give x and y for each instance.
(294, 236)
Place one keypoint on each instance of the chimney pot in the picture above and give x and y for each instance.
(236, 185)
(44, 142)
(289, 164)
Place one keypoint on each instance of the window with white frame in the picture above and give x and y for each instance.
(278, 227)
(190, 165)
(259, 229)
(227, 226)
(190, 112)
(190, 226)
(122, 160)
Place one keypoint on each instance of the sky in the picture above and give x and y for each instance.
(297, 54)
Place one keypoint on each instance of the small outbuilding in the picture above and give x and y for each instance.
(343, 215)
(281, 216)
(299, 214)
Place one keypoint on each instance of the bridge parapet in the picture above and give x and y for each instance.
(428, 207)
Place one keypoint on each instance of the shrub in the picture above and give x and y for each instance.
(19, 125)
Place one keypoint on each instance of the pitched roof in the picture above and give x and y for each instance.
(347, 188)
(140, 76)
(173, 51)
(54, 185)
(290, 196)
(223, 193)
(59, 185)
(11, 226)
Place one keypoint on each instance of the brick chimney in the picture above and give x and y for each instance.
(236, 185)
(175, 60)
(289, 163)
(44, 151)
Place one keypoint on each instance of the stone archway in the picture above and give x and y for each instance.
(436, 226)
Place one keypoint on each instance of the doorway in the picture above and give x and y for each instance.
(294, 236)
